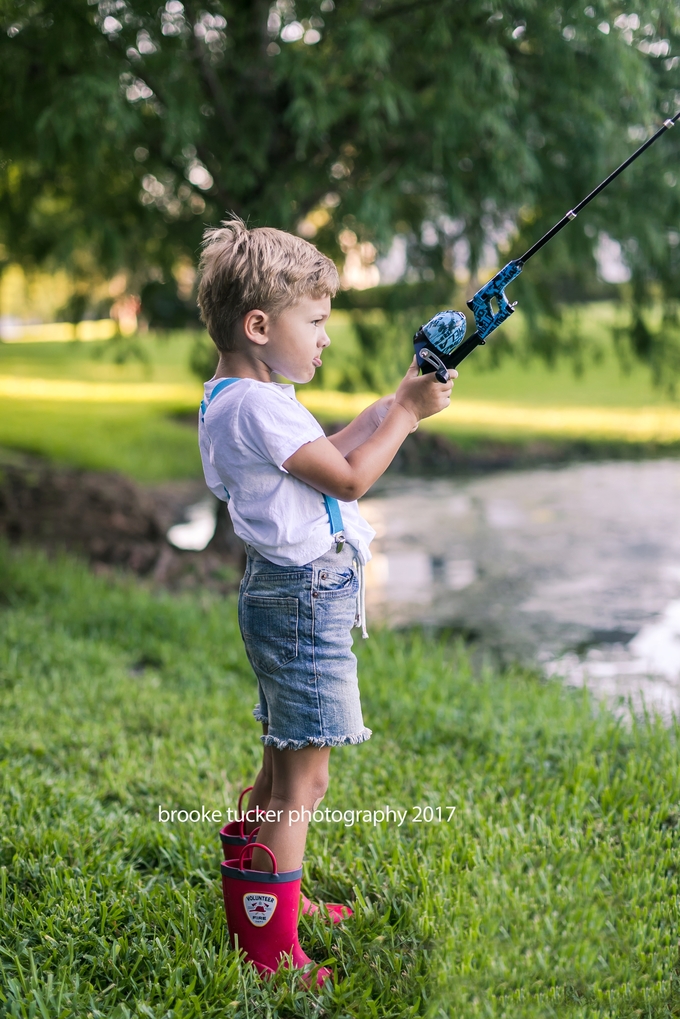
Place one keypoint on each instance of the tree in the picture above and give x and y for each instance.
(128, 125)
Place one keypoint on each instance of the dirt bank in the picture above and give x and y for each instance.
(112, 522)
(428, 454)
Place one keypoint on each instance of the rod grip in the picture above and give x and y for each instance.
(454, 359)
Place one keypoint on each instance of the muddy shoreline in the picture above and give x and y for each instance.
(116, 523)
(113, 522)
(430, 455)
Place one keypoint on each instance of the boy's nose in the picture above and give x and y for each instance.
(326, 340)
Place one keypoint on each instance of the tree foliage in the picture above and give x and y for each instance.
(127, 125)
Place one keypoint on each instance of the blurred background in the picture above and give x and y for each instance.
(421, 145)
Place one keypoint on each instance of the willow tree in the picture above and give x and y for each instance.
(126, 126)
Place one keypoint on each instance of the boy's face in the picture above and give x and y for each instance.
(296, 338)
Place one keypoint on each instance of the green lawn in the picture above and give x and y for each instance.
(149, 444)
(602, 383)
(143, 441)
(551, 892)
(166, 359)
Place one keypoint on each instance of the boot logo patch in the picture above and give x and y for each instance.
(259, 907)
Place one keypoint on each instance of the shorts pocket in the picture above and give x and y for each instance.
(335, 581)
(270, 630)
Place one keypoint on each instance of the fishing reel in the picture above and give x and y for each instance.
(436, 340)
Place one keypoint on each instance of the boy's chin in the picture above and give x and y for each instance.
(300, 377)
(297, 378)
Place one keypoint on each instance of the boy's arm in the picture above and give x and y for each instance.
(322, 465)
(363, 425)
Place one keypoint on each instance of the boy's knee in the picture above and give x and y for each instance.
(310, 788)
(319, 787)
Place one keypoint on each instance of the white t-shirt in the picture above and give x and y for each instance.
(245, 436)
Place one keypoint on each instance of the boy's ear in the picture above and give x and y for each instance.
(256, 325)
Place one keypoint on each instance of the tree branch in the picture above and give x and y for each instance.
(404, 9)
(213, 85)
(201, 151)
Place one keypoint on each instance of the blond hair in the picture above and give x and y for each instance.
(263, 268)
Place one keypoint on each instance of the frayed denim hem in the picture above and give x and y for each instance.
(316, 741)
(259, 715)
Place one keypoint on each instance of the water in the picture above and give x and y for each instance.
(577, 567)
(197, 531)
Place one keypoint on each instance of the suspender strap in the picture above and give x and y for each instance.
(335, 520)
(221, 385)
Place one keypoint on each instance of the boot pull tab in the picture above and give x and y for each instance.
(256, 845)
(239, 812)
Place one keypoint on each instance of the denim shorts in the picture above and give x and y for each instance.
(295, 622)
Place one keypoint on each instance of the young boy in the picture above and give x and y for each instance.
(265, 298)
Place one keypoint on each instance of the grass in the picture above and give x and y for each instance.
(602, 382)
(156, 357)
(145, 441)
(516, 402)
(551, 892)
(165, 359)
(142, 441)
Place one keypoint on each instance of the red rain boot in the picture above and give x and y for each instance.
(337, 911)
(262, 914)
(233, 834)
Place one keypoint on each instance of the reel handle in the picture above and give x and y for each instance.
(428, 362)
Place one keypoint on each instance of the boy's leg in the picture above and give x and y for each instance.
(299, 780)
(262, 787)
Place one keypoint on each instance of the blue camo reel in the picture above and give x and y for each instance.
(437, 339)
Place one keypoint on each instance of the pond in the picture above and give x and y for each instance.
(576, 567)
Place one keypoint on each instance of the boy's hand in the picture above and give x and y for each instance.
(424, 395)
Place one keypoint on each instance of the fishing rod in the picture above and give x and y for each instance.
(440, 344)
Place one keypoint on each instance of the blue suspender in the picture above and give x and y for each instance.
(335, 520)
(222, 384)
(332, 505)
